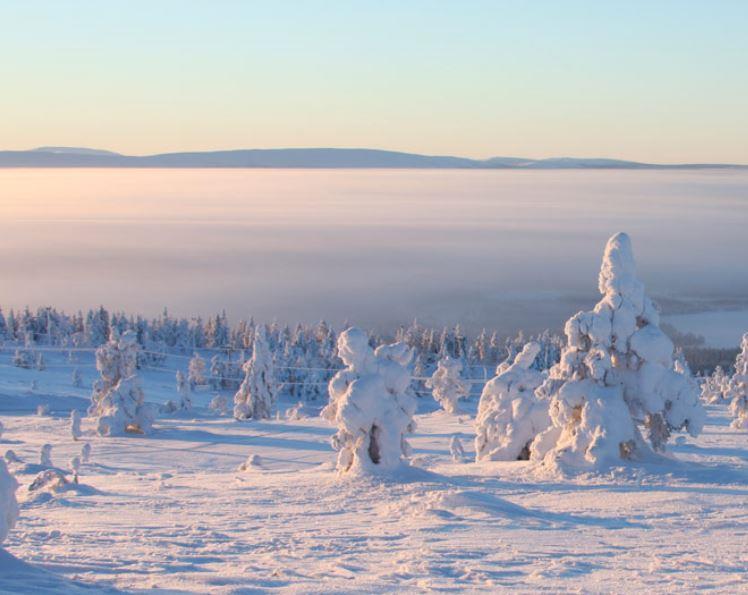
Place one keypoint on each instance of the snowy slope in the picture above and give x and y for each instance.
(172, 512)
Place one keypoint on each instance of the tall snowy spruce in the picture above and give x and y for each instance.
(371, 404)
(615, 395)
(8, 503)
(256, 395)
(447, 385)
(736, 390)
(118, 401)
(510, 415)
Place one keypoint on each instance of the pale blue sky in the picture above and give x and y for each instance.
(652, 80)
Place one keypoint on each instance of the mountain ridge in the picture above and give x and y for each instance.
(315, 158)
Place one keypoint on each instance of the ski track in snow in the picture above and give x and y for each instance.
(171, 511)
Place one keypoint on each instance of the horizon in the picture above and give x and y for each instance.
(635, 81)
(56, 148)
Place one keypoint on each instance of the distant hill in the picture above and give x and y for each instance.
(311, 158)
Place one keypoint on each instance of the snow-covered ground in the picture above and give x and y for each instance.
(172, 511)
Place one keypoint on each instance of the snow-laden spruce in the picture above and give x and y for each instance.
(75, 424)
(118, 402)
(196, 372)
(447, 385)
(714, 386)
(371, 404)
(8, 504)
(736, 390)
(256, 395)
(183, 389)
(616, 378)
(510, 415)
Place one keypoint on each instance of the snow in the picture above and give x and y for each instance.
(173, 511)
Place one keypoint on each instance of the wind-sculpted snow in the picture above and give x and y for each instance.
(510, 415)
(371, 404)
(616, 377)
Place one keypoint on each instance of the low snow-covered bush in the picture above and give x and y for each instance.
(183, 389)
(118, 401)
(447, 385)
(510, 415)
(372, 405)
(616, 378)
(714, 386)
(256, 395)
(75, 424)
(8, 503)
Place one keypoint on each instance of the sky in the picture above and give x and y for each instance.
(663, 81)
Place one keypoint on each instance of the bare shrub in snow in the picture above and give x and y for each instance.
(118, 401)
(375, 410)
(77, 379)
(8, 503)
(736, 390)
(510, 415)
(616, 378)
(256, 395)
(447, 385)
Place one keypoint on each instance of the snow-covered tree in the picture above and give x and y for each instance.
(196, 371)
(77, 379)
(8, 503)
(736, 390)
(358, 357)
(220, 404)
(372, 405)
(714, 386)
(45, 455)
(510, 415)
(183, 388)
(447, 385)
(616, 378)
(256, 395)
(86, 452)
(118, 401)
(75, 424)
(456, 450)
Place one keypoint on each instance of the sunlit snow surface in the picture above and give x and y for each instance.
(172, 511)
(504, 249)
